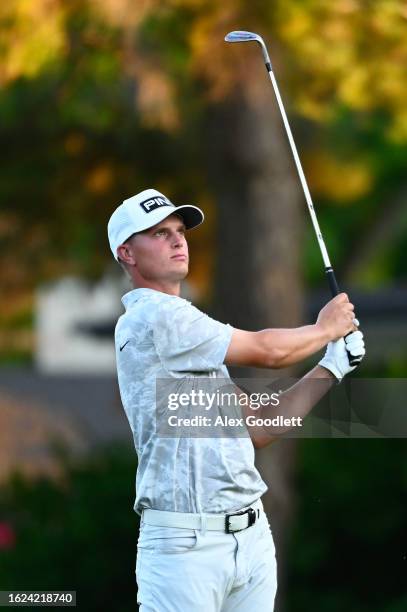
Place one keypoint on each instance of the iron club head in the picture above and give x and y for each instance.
(242, 36)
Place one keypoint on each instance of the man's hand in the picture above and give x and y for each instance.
(336, 358)
(337, 317)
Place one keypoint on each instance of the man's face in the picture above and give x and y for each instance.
(161, 252)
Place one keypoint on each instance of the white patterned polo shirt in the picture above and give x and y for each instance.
(164, 336)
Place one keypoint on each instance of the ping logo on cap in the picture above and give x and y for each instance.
(153, 203)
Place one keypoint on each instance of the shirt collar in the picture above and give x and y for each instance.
(132, 296)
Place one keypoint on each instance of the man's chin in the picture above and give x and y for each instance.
(180, 274)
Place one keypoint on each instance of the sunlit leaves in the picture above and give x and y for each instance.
(100, 178)
(100, 96)
(124, 13)
(349, 52)
(344, 52)
(32, 37)
(342, 179)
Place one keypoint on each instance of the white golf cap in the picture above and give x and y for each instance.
(144, 210)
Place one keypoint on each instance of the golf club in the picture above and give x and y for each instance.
(241, 36)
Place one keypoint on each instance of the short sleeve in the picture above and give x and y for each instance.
(187, 340)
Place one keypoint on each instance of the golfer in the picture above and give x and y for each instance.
(205, 543)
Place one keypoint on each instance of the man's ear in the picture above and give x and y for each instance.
(125, 254)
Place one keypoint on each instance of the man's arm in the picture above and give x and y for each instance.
(279, 348)
(298, 400)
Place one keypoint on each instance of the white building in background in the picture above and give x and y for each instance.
(74, 325)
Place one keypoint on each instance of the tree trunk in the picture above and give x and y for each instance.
(258, 278)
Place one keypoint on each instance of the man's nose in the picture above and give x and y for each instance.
(178, 240)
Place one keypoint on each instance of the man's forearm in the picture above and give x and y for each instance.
(296, 402)
(289, 346)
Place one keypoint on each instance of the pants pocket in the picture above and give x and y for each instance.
(169, 540)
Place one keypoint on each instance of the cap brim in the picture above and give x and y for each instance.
(192, 215)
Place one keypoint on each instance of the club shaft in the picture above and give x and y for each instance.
(304, 185)
(333, 285)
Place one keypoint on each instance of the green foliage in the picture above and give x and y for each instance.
(348, 547)
(79, 535)
(357, 135)
(16, 357)
(80, 138)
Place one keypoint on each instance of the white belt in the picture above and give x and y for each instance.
(228, 523)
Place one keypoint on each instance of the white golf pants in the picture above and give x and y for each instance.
(189, 570)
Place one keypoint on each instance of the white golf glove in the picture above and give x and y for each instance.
(336, 358)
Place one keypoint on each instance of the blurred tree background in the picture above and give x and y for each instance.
(72, 536)
(102, 98)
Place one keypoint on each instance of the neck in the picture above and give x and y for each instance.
(172, 288)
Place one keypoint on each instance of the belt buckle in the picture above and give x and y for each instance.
(251, 516)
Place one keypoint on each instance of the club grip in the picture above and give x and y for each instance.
(333, 285)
